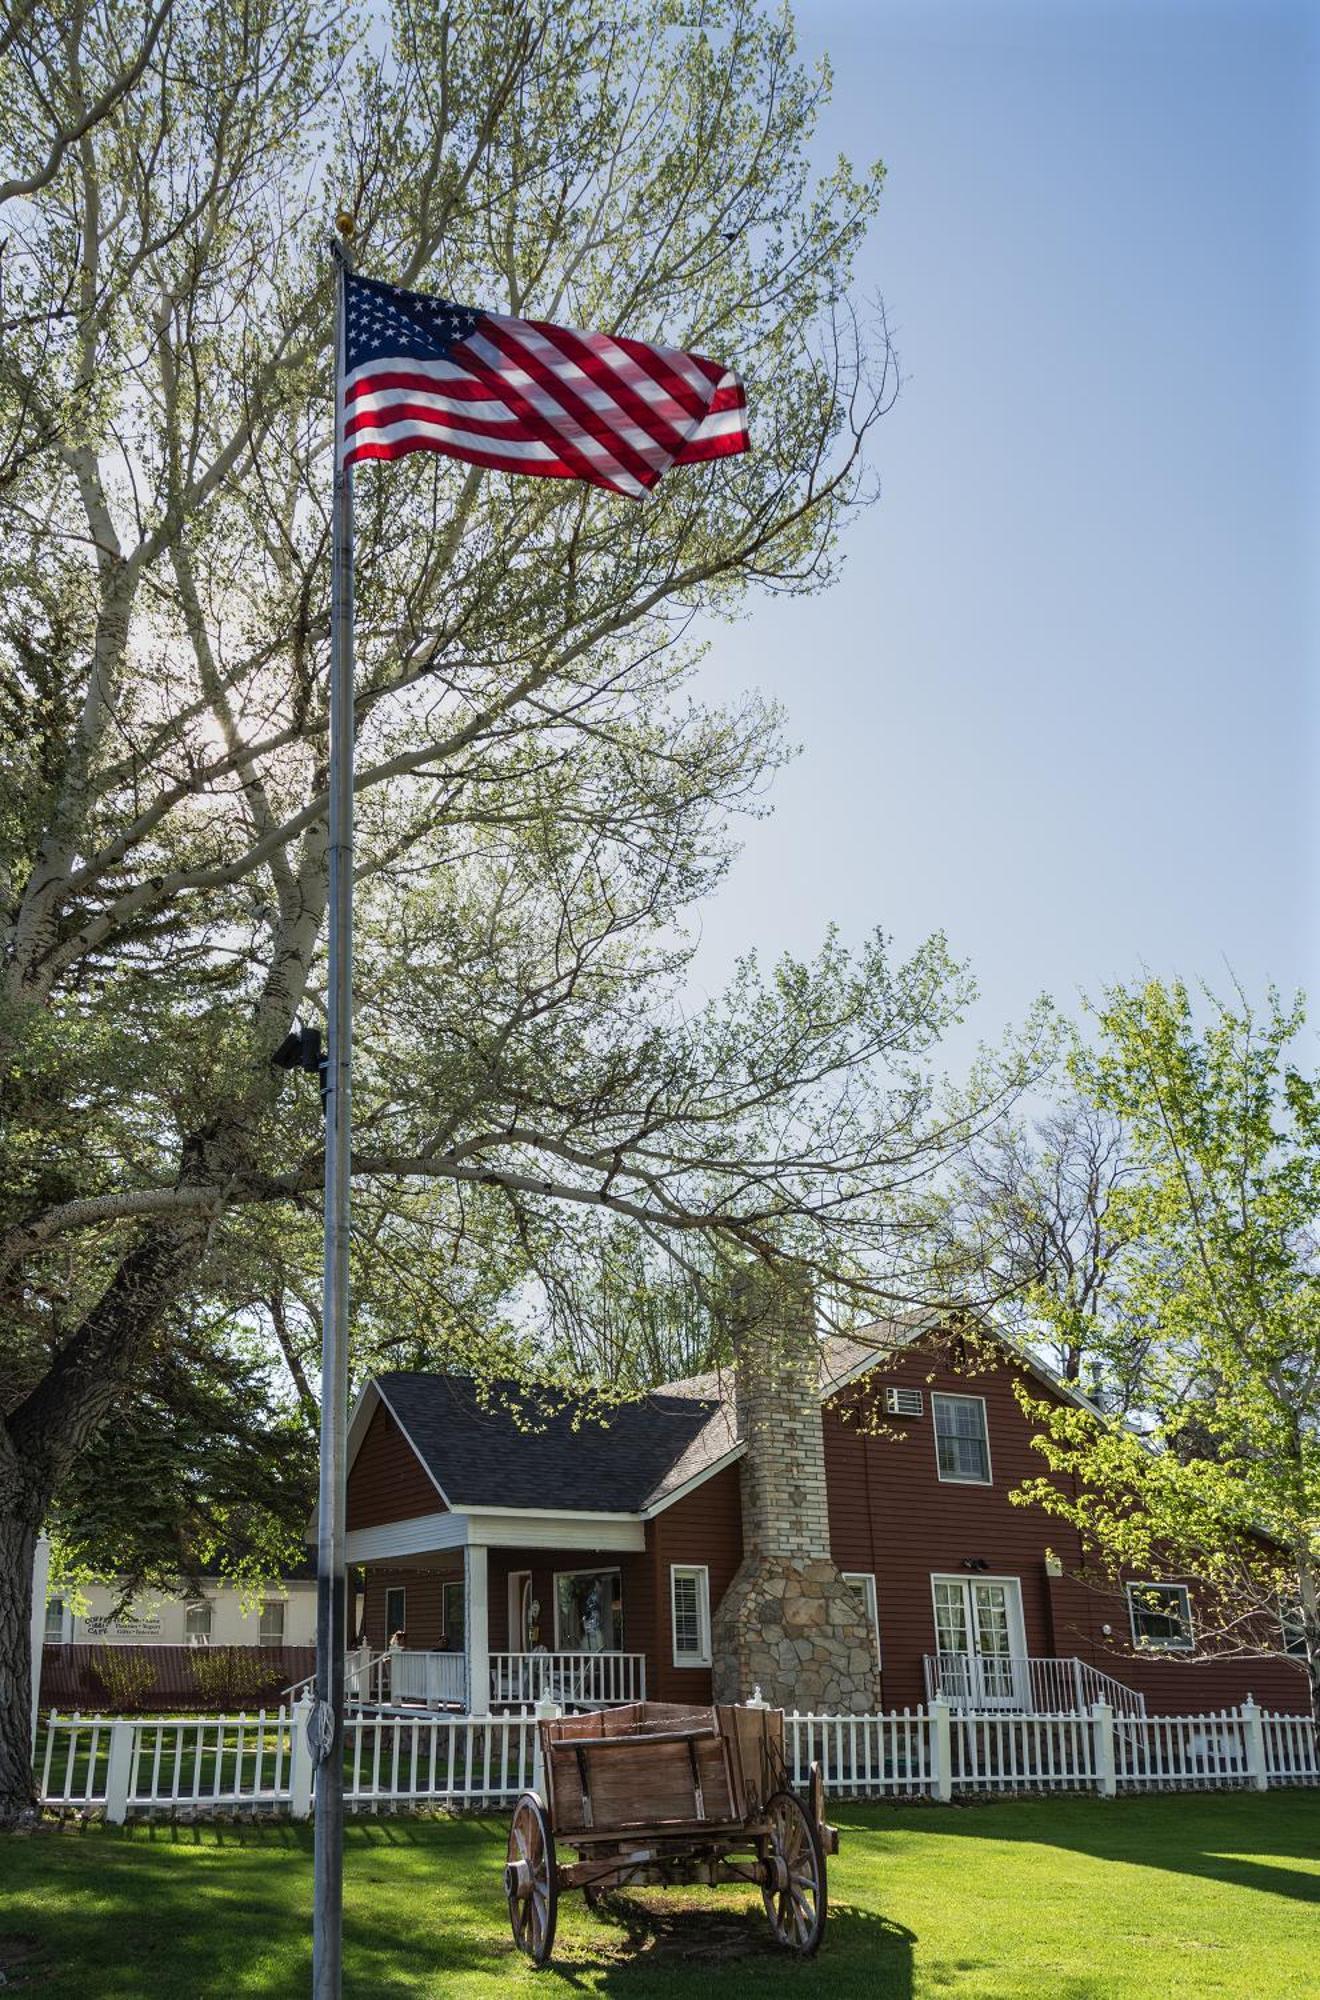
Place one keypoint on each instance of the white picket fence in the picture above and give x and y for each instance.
(169, 1764)
(940, 1752)
(152, 1764)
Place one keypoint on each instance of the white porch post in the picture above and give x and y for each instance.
(476, 1627)
(40, 1583)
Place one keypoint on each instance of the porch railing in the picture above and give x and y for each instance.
(1037, 1685)
(574, 1680)
(438, 1679)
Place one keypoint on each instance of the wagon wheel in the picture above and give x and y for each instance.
(531, 1879)
(794, 1886)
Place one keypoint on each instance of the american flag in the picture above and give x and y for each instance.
(521, 395)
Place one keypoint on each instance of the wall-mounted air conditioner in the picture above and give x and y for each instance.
(903, 1402)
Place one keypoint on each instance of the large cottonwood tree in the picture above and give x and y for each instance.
(541, 797)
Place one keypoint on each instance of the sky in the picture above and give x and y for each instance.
(1063, 703)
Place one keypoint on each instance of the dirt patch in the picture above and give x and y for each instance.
(21, 1957)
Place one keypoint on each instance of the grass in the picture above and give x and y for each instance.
(1062, 1899)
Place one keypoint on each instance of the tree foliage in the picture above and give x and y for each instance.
(1217, 1286)
(542, 799)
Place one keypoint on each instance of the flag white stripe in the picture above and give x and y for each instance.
(390, 433)
(597, 397)
(545, 405)
(372, 400)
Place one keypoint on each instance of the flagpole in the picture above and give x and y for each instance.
(327, 1721)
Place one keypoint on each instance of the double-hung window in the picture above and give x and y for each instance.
(396, 1611)
(1161, 1616)
(689, 1602)
(272, 1622)
(54, 1634)
(962, 1440)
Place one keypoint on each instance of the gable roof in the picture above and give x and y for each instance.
(509, 1445)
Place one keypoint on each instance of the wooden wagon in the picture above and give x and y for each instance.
(655, 1793)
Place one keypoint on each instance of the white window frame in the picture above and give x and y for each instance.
(866, 1577)
(587, 1569)
(391, 1590)
(938, 1396)
(272, 1604)
(701, 1573)
(59, 1605)
(1140, 1642)
(198, 1604)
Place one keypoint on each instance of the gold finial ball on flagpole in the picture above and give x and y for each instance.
(346, 224)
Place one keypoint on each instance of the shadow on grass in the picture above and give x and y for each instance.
(642, 1941)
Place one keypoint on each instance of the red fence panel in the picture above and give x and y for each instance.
(126, 1679)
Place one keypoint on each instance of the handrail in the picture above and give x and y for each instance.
(1040, 1683)
(354, 1669)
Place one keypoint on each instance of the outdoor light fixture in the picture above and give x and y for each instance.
(301, 1049)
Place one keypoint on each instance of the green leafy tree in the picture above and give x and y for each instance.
(1216, 1475)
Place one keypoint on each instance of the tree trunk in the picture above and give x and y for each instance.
(42, 1436)
(22, 1508)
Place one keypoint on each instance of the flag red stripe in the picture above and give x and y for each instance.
(461, 387)
(541, 468)
(647, 360)
(607, 377)
(587, 419)
(538, 426)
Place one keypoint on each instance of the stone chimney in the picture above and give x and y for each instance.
(788, 1622)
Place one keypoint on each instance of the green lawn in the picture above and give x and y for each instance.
(1134, 1899)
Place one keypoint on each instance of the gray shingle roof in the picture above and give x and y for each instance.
(510, 1446)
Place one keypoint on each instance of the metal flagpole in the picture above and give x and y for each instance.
(327, 1721)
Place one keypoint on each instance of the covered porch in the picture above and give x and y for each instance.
(503, 1611)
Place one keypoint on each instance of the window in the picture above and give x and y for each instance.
(197, 1621)
(452, 1616)
(689, 1603)
(862, 1585)
(396, 1609)
(962, 1444)
(1161, 1615)
(272, 1623)
(1292, 1626)
(588, 1611)
(54, 1635)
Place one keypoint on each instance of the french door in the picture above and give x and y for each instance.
(978, 1636)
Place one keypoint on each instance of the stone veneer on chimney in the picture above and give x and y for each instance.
(788, 1622)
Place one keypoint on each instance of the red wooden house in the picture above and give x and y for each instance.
(522, 1546)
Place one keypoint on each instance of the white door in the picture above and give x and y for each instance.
(978, 1635)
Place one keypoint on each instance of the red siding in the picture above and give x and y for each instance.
(705, 1526)
(423, 1622)
(388, 1482)
(892, 1514)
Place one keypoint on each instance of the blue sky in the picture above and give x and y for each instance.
(1063, 703)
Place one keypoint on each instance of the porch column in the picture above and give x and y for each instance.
(476, 1628)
